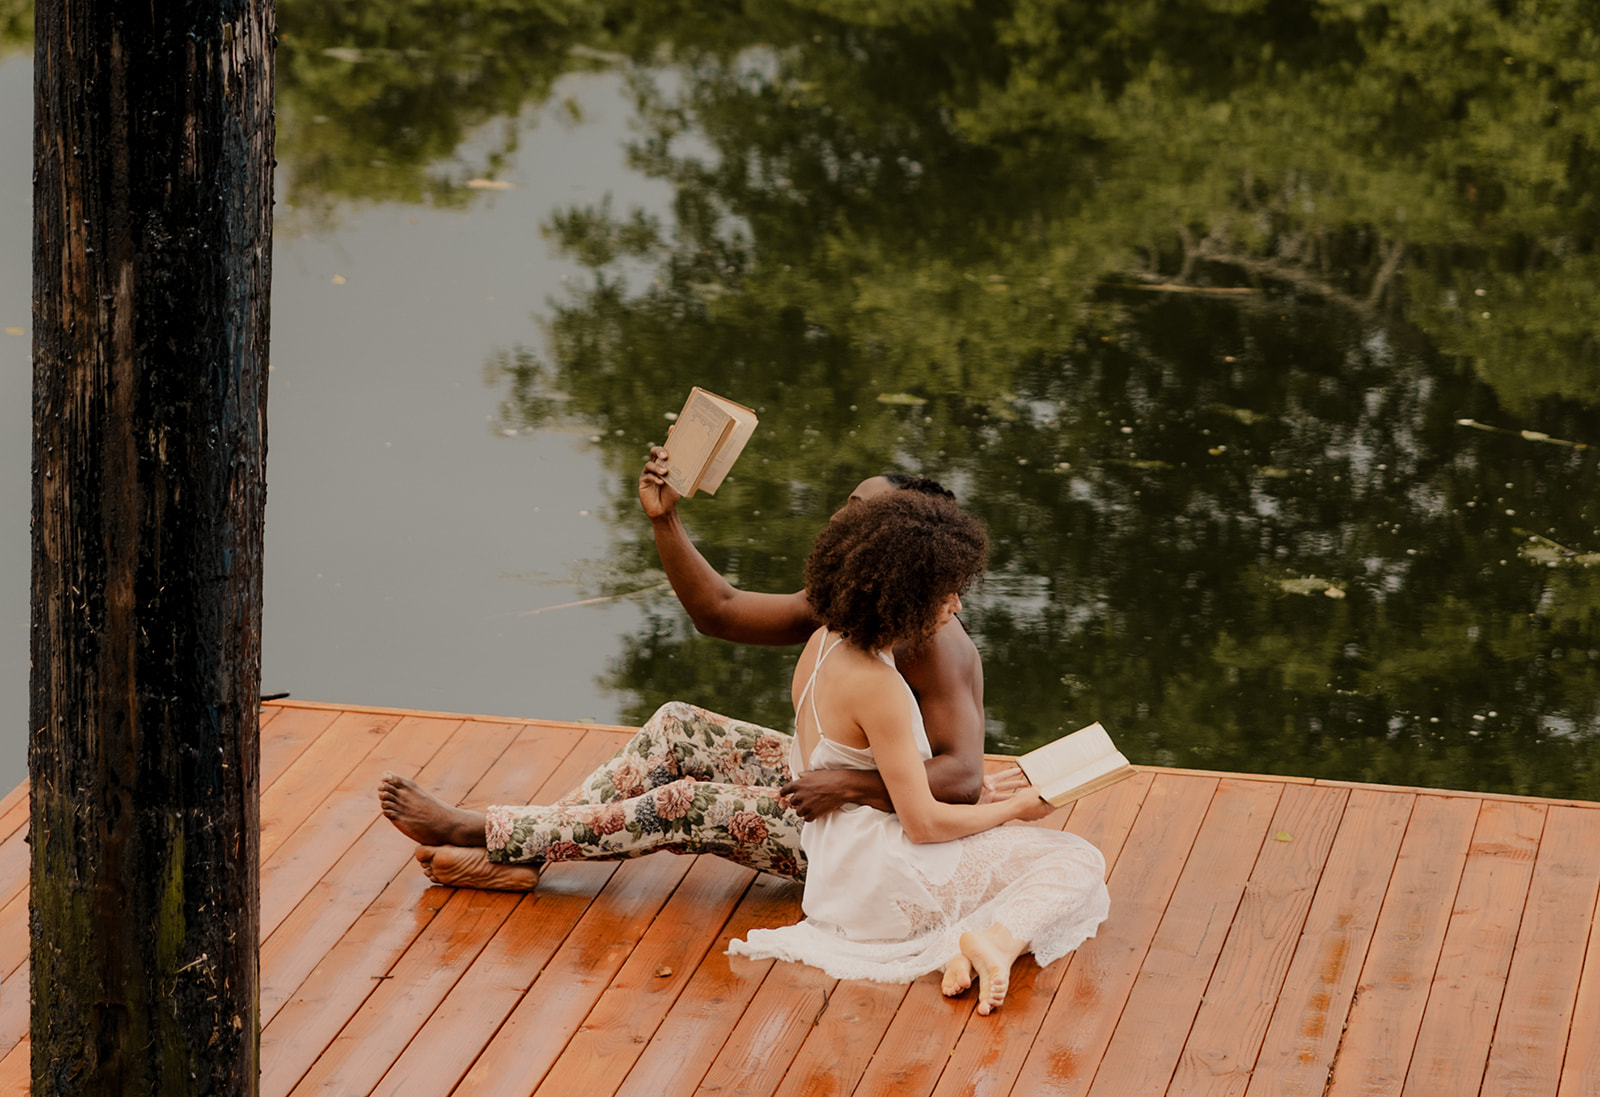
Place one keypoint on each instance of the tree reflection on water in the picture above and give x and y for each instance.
(1248, 530)
(1190, 301)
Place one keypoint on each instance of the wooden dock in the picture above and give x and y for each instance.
(1267, 936)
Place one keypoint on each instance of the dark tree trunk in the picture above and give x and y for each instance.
(152, 262)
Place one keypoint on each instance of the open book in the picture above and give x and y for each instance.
(1075, 765)
(707, 438)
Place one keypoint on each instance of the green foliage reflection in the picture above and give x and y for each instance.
(1023, 221)
(16, 26)
(377, 98)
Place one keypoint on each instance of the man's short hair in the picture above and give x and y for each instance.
(903, 481)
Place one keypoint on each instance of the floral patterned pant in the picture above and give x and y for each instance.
(690, 781)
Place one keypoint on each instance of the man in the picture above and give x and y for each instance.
(692, 781)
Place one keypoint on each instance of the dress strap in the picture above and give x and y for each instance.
(827, 649)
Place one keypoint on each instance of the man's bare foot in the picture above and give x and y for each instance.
(461, 867)
(957, 976)
(991, 954)
(425, 818)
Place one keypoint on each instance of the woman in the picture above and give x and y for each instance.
(890, 897)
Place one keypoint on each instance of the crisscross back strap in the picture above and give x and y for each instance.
(806, 692)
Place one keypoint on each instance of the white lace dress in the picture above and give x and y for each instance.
(879, 906)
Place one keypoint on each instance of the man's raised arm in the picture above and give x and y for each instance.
(716, 606)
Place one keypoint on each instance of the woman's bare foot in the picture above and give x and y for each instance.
(991, 953)
(957, 976)
(461, 867)
(425, 818)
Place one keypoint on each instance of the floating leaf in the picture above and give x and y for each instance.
(1525, 435)
(1311, 585)
(901, 398)
(337, 279)
(1243, 415)
(489, 184)
(1547, 553)
(1172, 287)
(15, 331)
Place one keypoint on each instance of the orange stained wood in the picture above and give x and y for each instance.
(1268, 936)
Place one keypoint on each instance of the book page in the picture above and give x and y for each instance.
(744, 425)
(699, 430)
(1089, 775)
(1069, 754)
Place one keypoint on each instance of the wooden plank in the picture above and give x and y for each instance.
(318, 772)
(378, 869)
(1464, 1000)
(1536, 1012)
(1387, 1007)
(292, 731)
(15, 998)
(842, 1040)
(616, 1031)
(15, 1069)
(408, 994)
(16, 796)
(14, 857)
(1580, 1071)
(1228, 774)
(1099, 976)
(544, 761)
(465, 1021)
(13, 934)
(1150, 1033)
(705, 1014)
(1232, 1020)
(537, 1031)
(764, 1042)
(308, 854)
(470, 1015)
(332, 907)
(14, 812)
(986, 1054)
(930, 1030)
(302, 1013)
(568, 725)
(1468, 794)
(14, 866)
(542, 764)
(1309, 1017)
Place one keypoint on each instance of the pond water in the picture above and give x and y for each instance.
(1276, 380)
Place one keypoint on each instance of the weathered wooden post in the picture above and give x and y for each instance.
(152, 263)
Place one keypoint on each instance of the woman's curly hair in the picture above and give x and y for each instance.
(880, 570)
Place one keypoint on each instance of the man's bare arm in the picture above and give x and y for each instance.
(823, 790)
(716, 606)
